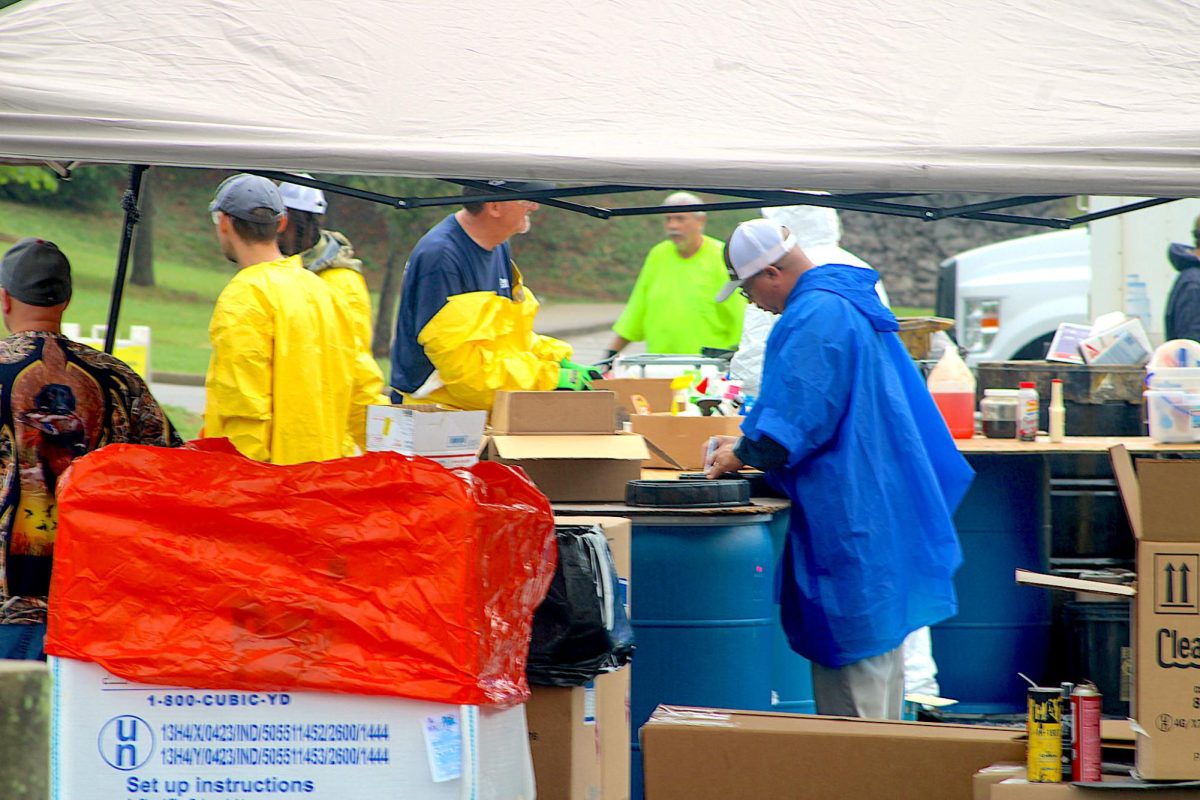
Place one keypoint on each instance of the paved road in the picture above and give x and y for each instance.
(586, 326)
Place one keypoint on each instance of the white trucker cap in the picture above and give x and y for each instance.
(303, 198)
(754, 246)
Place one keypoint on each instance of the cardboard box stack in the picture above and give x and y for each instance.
(1163, 506)
(567, 444)
(580, 736)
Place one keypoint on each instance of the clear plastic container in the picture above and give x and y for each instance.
(999, 411)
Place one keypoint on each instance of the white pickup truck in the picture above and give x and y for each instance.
(1008, 298)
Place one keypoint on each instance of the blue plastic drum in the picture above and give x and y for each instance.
(791, 674)
(1002, 628)
(702, 605)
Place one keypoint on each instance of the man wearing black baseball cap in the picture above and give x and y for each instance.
(58, 400)
(464, 329)
(286, 381)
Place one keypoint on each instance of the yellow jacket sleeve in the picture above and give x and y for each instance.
(481, 343)
(547, 348)
(239, 380)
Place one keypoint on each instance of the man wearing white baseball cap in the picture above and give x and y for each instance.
(845, 425)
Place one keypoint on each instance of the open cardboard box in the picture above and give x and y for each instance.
(577, 468)
(682, 438)
(656, 391)
(1163, 504)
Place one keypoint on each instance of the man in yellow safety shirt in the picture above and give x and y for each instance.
(286, 382)
(671, 307)
(464, 329)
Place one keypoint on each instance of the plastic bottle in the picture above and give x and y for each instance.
(1027, 422)
(1058, 412)
(953, 388)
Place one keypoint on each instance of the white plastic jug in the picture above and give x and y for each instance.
(953, 388)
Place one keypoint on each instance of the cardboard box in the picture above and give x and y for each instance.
(657, 392)
(683, 438)
(1163, 507)
(575, 737)
(612, 720)
(451, 438)
(114, 739)
(702, 754)
(554, 413)
(988, 777)
(574, 468)
(612, 690)
(564, 742)
(1020, 789)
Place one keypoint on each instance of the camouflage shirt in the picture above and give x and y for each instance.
(59, 400)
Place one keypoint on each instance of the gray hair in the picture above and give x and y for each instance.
(684, 199)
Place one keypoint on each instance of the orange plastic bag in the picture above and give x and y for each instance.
(380, 574)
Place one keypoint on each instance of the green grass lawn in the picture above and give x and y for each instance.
(187, 423)
(177, 311)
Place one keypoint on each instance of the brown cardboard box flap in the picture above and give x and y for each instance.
(1127, 483)
(683, 438)
(656, 391)
(1170, 500)
(554, 413)
(851, 726)
(623, 447)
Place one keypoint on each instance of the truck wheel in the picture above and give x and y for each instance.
(1035, 350)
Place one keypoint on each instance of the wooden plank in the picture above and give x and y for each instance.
(1071, 444)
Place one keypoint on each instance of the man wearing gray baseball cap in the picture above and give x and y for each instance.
(59, 400)
(286, 381)
(844, 424)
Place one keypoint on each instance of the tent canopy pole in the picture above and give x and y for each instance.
(130, 203)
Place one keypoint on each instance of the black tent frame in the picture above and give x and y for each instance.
(561, 197)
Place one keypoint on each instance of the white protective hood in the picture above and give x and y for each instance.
(1055, 96)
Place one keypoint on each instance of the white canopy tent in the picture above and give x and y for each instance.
(1054, 97)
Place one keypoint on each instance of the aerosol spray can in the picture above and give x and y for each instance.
(1085, 737)
(1067, 728)
(1043, 725)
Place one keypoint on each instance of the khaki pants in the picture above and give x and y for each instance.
(872, 688)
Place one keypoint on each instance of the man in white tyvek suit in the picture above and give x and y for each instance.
(818, 232)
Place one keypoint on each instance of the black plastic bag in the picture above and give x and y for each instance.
(580, 630)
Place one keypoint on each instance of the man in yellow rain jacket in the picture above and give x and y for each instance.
(464, 329)
(287, 381)
(330, 255)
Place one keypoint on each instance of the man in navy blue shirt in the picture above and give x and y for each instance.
(464, 329)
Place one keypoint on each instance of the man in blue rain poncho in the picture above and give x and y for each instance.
(845, 426)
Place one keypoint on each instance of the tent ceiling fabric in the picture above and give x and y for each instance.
(1054, 97)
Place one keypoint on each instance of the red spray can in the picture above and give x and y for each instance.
(1085, 734)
